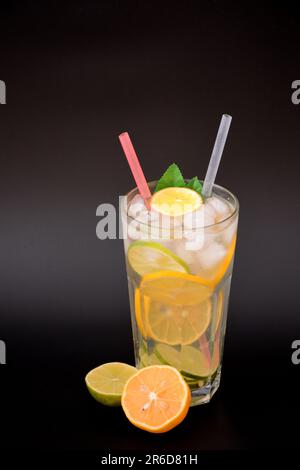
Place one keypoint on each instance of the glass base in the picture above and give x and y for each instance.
(204, 394)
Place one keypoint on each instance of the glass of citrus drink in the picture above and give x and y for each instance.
(179, 249)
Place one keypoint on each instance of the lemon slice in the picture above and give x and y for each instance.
(179, 310)
(148, 257)
(175, 288)
(175, 202)
(106, 382)
(222, 268)
(219, 312)
(141, 307)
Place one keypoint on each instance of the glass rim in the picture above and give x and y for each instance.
(220, 222)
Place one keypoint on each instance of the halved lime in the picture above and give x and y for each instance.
(148, 257)
(106, 382)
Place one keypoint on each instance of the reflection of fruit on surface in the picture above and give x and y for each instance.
(179, 309)
(147, 257)
(156, 399)
(106, 382)
(175, 201)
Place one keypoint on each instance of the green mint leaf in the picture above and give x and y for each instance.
(195, 184)
(171, 177)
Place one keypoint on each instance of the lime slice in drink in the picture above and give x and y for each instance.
(148, 257)
(106, 382)
(194, 364)
(149, 359)
(168, 355)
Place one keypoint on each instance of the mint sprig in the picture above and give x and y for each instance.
(195, 184)
(172, 177)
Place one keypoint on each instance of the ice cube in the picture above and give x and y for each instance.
(133, 230)
(194, 219)
(136, 206)
(222, 209)
(229, 232)
(182, 252)
(143, 217)
(212, 255)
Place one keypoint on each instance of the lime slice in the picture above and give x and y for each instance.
(168, 355)
(148, 257)
(106, 382)
(184, 362)
(194, 363)
(149, 359)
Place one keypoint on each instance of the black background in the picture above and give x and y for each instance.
(78, 74)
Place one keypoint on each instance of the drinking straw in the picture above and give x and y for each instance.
(216, 155)
(135, 166)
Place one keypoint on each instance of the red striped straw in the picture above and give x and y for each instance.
(135, 166)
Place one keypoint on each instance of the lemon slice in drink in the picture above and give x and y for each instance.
(141, 306)
(106, 382)
(148, 257)
(175, 202)
(179, 310)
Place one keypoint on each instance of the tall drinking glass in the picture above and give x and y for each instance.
(179, 277)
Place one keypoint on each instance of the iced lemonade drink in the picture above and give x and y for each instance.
(179, 249)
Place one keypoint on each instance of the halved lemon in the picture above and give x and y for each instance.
(106, 382)
(175, 202)
(156, 399)
(148, 257)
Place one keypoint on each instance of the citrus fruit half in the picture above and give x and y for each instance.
(106, 382)
(156, 399)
